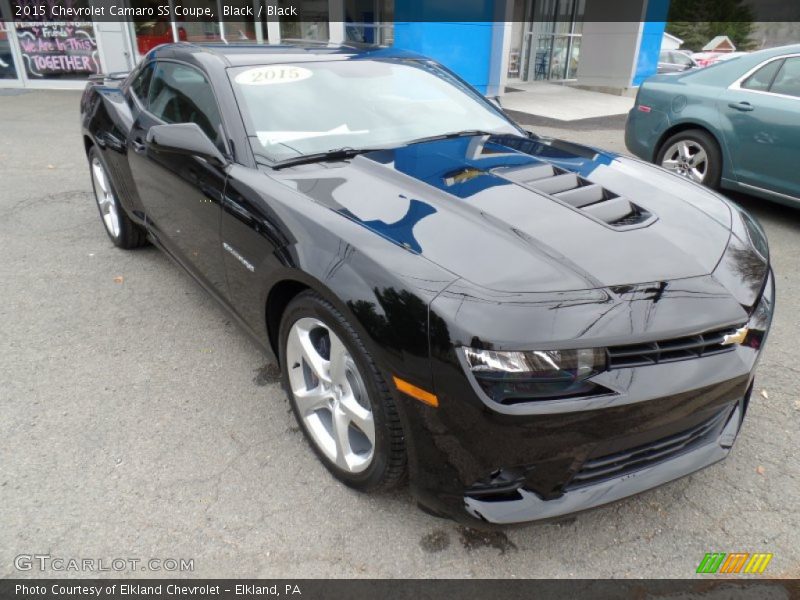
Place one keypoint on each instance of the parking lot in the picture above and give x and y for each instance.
(139, 421)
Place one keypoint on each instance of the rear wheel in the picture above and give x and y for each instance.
(339, 397)
(693, 154)
(119, 227)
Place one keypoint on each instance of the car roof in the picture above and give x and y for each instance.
(240, 55)
(725, 72)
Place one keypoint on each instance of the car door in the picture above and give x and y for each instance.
(182, 194)
(762, 126)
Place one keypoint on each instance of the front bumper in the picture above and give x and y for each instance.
(541, 460)
(530, 507)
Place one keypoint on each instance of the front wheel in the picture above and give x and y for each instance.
(339, 397)
(693, 154)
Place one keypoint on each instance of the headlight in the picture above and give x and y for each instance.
(509, 377)
(756, 234)
(761, 317)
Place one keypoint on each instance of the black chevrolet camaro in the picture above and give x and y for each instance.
(524, 326)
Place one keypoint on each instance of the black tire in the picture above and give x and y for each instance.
(128, 235)
(707, 142)
(387, 468)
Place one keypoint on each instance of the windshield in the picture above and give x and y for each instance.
(293, 110)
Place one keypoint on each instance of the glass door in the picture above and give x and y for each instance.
(553, 40)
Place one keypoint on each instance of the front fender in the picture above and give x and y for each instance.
(382, 288)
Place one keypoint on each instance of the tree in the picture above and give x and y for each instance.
(696, 22)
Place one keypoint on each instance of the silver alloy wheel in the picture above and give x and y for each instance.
(687, 158)
(330, 395)
(105, 198)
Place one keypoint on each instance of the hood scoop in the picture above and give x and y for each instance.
(580, 194)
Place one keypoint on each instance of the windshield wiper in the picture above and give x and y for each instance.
(335, 154)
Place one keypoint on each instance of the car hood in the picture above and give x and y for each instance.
(517, 214)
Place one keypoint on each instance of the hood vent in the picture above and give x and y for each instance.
(579, 194)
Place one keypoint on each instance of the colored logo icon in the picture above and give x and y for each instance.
(735, 562)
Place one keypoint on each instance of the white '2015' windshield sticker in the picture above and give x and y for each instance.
(272, 74)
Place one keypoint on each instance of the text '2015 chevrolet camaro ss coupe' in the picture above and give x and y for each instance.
(524, 326)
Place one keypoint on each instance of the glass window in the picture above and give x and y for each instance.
(181, 94)
(761, 79)
(242, 32)
(369, 21)
(664, 57)
(141, 84)
(787, 81)
(58, 50)
(150, 34)
(297, 109)
(198, 32)
(314, 24)
(7, 68)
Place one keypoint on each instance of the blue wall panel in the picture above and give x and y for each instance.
(650, 44)
(464, 46)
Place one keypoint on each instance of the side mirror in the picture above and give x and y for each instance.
(184, 138)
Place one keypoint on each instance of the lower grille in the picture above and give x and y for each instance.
(692, 346)
(627, 461)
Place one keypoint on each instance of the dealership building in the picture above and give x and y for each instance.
(494, 44)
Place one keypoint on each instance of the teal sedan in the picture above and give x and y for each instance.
(733, 125)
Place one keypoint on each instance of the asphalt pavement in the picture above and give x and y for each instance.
(139, 422)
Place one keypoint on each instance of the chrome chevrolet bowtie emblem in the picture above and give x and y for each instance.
(735, 338)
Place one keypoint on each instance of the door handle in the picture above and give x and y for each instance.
(138, 146)
(743, 106)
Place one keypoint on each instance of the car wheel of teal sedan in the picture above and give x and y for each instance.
(693, 154)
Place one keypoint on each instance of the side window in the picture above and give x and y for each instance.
(760, 80)
(787, 81)
(141, 84)
(664, 57)
(181, 94)
(681, 59)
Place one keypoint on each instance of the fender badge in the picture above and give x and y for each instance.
(735, 338)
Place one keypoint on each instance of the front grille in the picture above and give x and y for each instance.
(682, 348)
(615, 465)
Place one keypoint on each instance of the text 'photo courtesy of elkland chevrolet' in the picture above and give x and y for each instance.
(519, 327)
